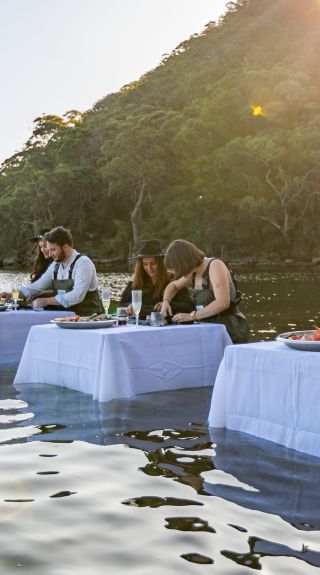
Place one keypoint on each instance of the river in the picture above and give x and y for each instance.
(274, 301)
(142, 486)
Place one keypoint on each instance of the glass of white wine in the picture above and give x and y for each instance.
(15, 296)
(136, 297)
(106, 298)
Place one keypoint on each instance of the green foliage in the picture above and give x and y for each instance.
(220, 144)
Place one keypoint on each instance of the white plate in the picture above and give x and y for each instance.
(84, 324)
(297, 343)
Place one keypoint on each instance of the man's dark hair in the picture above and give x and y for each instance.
(60, 236)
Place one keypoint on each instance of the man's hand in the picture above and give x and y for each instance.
(40, 302)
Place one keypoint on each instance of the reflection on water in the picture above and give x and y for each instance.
(142, 485)
(276, 302)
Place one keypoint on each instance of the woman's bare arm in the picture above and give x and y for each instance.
(170, 291)
(220, 281)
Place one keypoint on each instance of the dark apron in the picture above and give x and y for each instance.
(91, 303)
(235, 321)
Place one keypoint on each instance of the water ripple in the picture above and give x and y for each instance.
(159, 501)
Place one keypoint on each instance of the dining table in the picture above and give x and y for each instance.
(14, 330)
(272, 391)
(122, 361)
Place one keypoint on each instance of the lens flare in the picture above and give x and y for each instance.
(14, 496)
(258, 110)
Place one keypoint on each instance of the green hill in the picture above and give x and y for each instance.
(220, 144)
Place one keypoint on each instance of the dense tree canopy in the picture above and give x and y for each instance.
(220, 144)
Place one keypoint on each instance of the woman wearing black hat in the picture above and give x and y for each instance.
(42, 259)
(151, 276)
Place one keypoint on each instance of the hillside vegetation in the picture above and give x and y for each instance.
(220, 144)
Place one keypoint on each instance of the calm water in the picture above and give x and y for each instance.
(143, 486)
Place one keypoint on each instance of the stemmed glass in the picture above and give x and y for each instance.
(106, 298)
(15, 296)
(136, 296)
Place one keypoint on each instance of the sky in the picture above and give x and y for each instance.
(59, 55)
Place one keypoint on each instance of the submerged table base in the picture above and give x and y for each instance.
(271, 391)
(14, 330)
(120, 362)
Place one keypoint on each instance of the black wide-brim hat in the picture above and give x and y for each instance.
(40, 235)
(148, 249)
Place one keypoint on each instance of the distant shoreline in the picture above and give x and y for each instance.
(237, 264)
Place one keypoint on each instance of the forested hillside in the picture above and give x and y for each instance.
(220, 144)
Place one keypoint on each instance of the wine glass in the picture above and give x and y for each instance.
(136, 296)
(106, 298)
(15, 296)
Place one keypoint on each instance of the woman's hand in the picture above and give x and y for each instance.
(182, 317)
(165, 308)
(5, 295)
(158, 306)
(130, 309)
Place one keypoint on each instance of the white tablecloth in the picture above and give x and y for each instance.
(271, 391)
(14, 330)
(120, 362)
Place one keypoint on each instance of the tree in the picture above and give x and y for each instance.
(135, 165)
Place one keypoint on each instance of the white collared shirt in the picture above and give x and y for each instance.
(84, 276)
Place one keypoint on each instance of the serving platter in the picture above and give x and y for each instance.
(83, 324)
(301, 345)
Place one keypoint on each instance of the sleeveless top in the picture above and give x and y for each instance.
(235, 322)
(204, 295)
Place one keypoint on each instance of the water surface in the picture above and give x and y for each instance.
(142, 485)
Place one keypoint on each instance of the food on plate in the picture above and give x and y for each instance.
(311, 336)
(75, 318)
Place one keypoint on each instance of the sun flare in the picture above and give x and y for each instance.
(258, 111)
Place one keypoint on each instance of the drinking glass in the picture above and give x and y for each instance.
(157, 319)
(136, 296)
(15, 296)
(121, 316)
(106, 298)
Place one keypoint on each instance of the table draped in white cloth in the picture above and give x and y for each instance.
(14, 330)
(271, 391)
(120, 362)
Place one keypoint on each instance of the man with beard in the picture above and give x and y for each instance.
(71, 279)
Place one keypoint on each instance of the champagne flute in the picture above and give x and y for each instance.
(106, 298)
(15, 296)
(136, 296)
